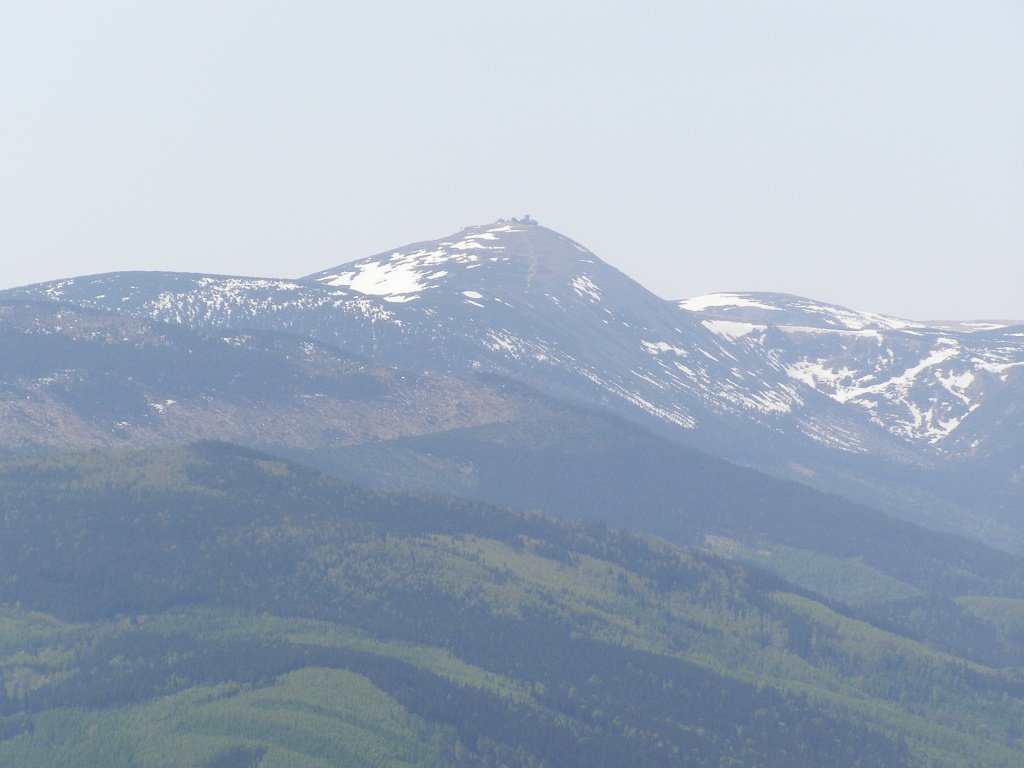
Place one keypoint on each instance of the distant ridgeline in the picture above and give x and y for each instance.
(921, 420)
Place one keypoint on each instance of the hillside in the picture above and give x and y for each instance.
(217, 607)
(81, 378)
(78, 378)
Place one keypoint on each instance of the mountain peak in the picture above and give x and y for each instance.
(524, 253)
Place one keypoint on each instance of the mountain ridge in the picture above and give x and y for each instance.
(834, 404)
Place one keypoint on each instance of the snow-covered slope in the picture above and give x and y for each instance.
(917, 380)
(217, 301)
(512, 297)
(521, 299)
(850, 401)
(518, 299)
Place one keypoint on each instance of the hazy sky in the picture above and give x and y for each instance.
(866, 153)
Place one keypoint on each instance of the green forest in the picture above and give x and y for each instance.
(215, 607)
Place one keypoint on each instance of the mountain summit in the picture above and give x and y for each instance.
(510, 264)
(793, 386)
(517, 298)
(519, 255)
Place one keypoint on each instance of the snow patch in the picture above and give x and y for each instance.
(700, 303)
(402, 276)
(657, 347)
(584, 286)
(471, 244)
(869, 333)
(388, 279)
(731, 329)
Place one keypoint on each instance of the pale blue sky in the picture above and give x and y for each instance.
(866, 153)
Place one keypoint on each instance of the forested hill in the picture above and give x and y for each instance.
(221, 608)
(582, 464)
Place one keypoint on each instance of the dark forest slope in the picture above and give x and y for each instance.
(217, 607)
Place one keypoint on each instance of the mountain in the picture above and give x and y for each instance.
(954, 388)
(919, 381)
(317, 595)
(513, 298)
(80, 378)
(919, 420)
(86, 379)
(213, 606)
